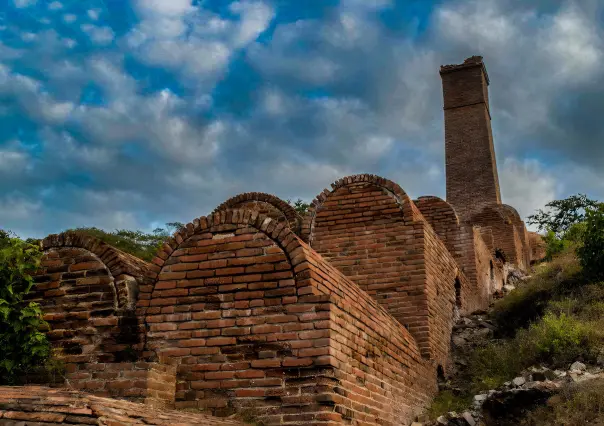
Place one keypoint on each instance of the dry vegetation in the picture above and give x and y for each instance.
(553, 319)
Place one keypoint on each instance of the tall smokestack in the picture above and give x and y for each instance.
(472, 180)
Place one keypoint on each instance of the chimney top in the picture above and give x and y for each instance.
(473, 61)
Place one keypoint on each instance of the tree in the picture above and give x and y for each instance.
(300, 206)
(561, 215)
(143, 245)
(22, 340)
(591, 252)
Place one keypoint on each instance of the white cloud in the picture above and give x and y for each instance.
(526, 185)
(366, 4)
(480, 23)
(69, 18)
(255, 18)
(282, 57)
(99, 35)
(69, 43)
(193, 41)
(94, 14)
(172, 8)
(12, 159)
(66, 149)
(28, 37)
(574, 45)
(15, 206)
(55, 5)
(24, 3)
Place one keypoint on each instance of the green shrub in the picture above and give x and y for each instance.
(592, 311)
(530, 300)
(22, 341)
(556, 338)
(447, 401)
(591, 253)
(567, 306)
(554, 245)
(141, 244)
(493, 365)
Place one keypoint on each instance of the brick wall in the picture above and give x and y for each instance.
(370, 230)
(265, 204)
(443, 299)
(88, 291)
(260, 322)
(472, 180)
(466, 246)
(151, 383)
(381, 376)
(537, 246)
(443, 219)
(489, 270)
(502, 235)
(512, 214)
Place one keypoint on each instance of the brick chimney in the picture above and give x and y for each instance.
(472, 180)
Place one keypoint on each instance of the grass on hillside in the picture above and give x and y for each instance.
(554, 318)
(577, 404)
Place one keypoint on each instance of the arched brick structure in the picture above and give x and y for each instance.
(522, 231)
(387, 187)
(498, 221)
(265, 204)
(467, 247)
(369, 229)
(259, 321)
(88, 292)
(538, 246)
(443, 219)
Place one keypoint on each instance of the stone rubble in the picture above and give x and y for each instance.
(534, 386)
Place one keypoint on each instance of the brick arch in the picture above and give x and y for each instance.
(493, 213)
(280, 232)
(247, 310)
(266, 204)
(501, 233)
(522, 231)
(512, 214)
(398, 195)
(119, 264)
(370, 229)
(439, 204)
(87, 291)
(443, 219)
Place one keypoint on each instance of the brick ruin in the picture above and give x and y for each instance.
(340, 316)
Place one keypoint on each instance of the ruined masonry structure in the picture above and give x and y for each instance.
(340, 316)
(472, 180)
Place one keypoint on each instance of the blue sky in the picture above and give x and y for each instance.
(132, 113)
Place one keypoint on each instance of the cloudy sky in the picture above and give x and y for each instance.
(131, 113)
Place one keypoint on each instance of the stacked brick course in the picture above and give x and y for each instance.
(34, 405)
(464, 242)
(151, 383)
(538, 246)
(505, 237)
(265, 204)
(370, 230)
(260, 322)
(88, 292)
